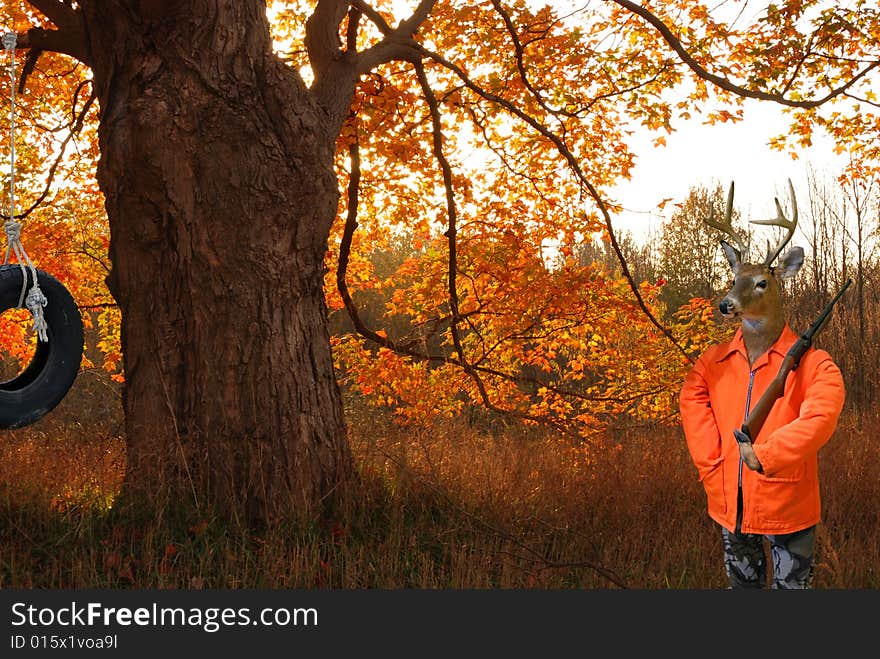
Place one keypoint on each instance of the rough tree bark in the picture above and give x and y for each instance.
(217, 170)
(219, 183)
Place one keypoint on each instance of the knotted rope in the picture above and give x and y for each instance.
(34, 299)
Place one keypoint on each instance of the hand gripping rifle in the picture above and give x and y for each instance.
(756, 417)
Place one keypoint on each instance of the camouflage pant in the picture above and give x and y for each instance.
(792, 555)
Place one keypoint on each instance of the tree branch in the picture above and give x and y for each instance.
(30, 63)
(75, 127)
(407, 28)
(862, 99)
(375, 17)
(354, 18)
(411, 25)
(726, 84)
(67, 42)
(406, 349)
(337, 70)
(451, 233)
(398, 43)
(62, 15)
(334, 69)
(68, 39)
(451, 212)
(322, 33)
(388, 50)
(519, 53)
(575, 167)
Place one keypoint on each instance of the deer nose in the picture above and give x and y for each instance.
(726, 307)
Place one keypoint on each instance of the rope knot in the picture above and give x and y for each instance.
(13, 231)
(35, 301)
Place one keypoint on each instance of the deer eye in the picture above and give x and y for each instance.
(761, 284)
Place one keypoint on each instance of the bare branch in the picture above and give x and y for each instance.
(451, 211)
(335, 75)
(62, 15)
(388, 50)
(728, 85)
(398, 43)
(68, 42)
(377, 19)
(68, 39)
(411, 25)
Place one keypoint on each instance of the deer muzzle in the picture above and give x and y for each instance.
(727, 307)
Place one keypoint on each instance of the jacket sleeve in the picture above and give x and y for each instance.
(698, 421)
(823, 402)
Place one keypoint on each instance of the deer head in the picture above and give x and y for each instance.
(755, 297)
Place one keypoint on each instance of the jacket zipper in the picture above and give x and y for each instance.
(746, 416)
(740, 500)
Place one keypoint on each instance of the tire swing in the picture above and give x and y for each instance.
(45, 381)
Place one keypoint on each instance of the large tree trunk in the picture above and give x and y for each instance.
(217, 169)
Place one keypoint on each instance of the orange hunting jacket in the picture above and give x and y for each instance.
(714, 401)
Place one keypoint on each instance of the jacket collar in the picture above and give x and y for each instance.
(737, 344)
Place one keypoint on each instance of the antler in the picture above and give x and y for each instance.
(781, 221)
(726, 226)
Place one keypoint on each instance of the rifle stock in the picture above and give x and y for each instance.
(758, 414)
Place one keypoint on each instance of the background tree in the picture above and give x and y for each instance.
(841, 233)
(863, 197)
(221, 163)
(639, 257)
(689, 254)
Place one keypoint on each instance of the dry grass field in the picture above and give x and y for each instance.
(451, 506)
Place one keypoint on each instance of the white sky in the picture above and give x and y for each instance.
(700, 154)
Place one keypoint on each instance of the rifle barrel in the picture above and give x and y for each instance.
(759, 413)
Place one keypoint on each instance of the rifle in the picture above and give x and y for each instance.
(756, 417)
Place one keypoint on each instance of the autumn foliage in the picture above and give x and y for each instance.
(488, 162)
(510, 396)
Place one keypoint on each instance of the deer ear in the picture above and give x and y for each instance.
(734, 258)
(790, 263)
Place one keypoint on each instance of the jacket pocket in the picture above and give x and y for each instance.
(788, 475)
(713, 483)
(784, 498)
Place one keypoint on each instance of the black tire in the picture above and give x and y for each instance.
(35, 391)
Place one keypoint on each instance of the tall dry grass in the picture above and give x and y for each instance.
(448, 506)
